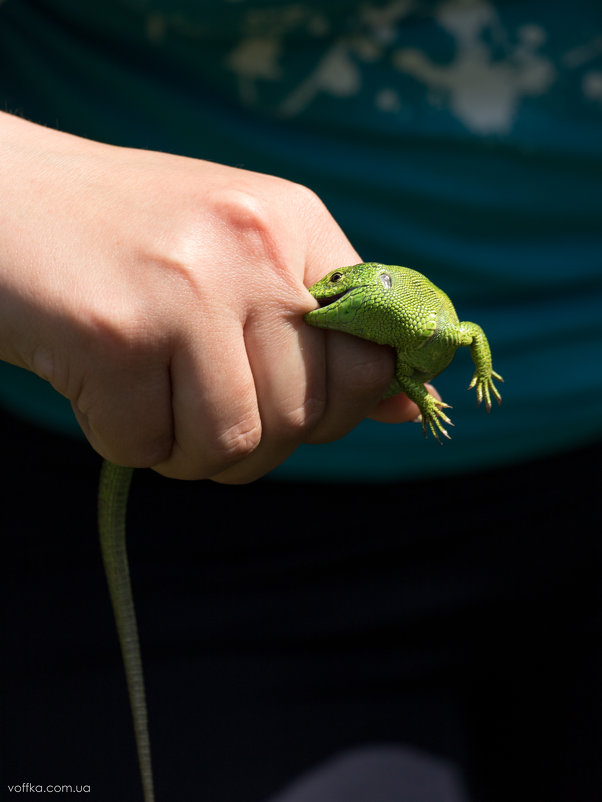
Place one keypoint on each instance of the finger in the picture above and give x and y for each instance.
(327, 246)
(358, 374)
(288, 368)
(399, 408)
(357, 371)
(125, 412)
(215, 411)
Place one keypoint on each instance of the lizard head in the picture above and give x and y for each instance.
(342, 294)
(339, 282)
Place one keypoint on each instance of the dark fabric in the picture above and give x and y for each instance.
(377, 774)
(283, 624)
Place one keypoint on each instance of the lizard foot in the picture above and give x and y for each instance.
(485, 388)
(431, 415)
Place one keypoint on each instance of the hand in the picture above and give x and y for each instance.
(164, 297)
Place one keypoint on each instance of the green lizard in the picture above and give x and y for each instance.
(389, 305)
(397, 306)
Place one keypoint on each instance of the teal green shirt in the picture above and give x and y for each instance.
(464, 140)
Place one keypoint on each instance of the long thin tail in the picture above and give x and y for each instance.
(112, 504)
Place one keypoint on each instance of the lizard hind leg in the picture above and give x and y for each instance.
(431, 408)
(482, 381)
(431, 417)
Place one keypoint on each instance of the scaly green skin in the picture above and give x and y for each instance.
(113, 493)
(397, 306)
(386, 304)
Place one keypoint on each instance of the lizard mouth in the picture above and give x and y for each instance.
(331, 299)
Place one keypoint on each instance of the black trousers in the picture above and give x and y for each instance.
(283, 623)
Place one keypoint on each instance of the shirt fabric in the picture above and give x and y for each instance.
(463, 139)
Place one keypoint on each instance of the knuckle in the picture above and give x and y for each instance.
(250, 223)
(299, 421)
(242, 211)
(310, 207)
(221, 454)
(238, 442)
(153, 451)
(307, 199)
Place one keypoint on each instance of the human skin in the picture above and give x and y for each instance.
(164, 297)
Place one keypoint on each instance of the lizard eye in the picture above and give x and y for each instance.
(386, 281)
(336, 277)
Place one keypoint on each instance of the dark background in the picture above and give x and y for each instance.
(283, 623)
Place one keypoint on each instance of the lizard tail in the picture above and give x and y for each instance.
(112, 503)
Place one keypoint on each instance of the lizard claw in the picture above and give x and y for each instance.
(485, 388)
(431, 416)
